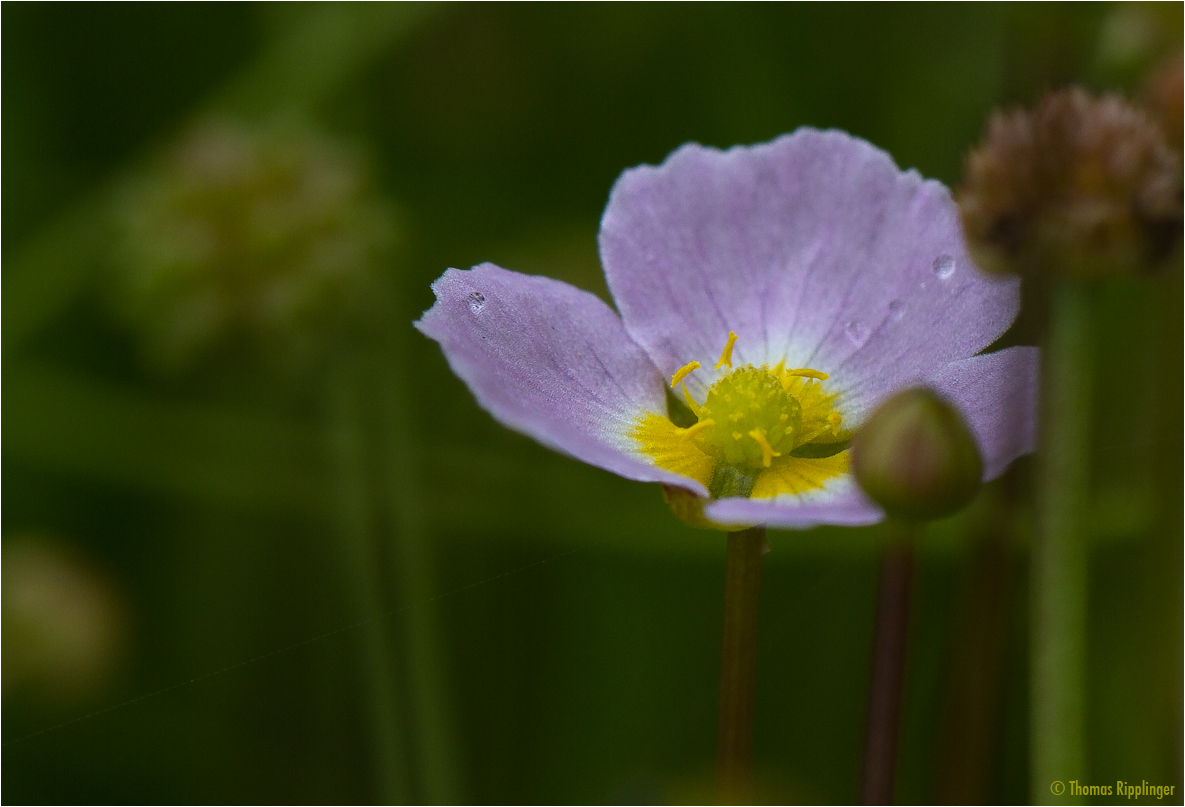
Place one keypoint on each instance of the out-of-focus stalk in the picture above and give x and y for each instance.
(1059, 563)
(916, 458)
(1078, 188)
(412, 567)
(346, 438)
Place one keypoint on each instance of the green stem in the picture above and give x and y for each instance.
(1059, 549)
(356, 541)
(738, 664)
(888, 667)
(413, 573)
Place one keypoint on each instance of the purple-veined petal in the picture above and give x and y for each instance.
(841, 503)
(815, 249)
(551, 361)
(996, 394)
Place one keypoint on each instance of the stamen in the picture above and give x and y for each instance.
(726, 355)
(683, 372)
(808, 373)
(767, 451)
(834, 420)
(691, 404)
(692, 431)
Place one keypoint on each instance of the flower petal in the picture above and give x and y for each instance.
(996, 394)
(842, 502)
(551, 361)
(815, 249)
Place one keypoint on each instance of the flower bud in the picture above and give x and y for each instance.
(916, 458)
(1079, 187)
(65, 625)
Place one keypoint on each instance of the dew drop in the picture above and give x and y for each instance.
(944, 266)
(896, 310)
(856, 331)
(477, 301)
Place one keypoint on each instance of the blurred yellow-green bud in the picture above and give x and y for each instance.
(1080, 186)
(268, 239)
(65, 627)
(915, 457)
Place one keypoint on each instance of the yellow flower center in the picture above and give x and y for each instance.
(748, 419)
(760, 432)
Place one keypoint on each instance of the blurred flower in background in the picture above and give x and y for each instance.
(1080, 186)
(1164, 90)
(268, 237)
(65, 625)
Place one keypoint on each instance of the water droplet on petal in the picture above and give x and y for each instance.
(477, 301)
(896, 310)
(856, 331)
(944, 266)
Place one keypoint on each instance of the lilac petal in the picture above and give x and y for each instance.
(842, 504)
(551, 361)
(815, 249)
(997, 395)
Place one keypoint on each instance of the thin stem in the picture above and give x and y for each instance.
(971, 710)
(738, 664)
(888, 670)
(413, 572)
(1059, 549)
(356, 541)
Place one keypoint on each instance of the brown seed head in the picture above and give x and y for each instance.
(1080, 186)
(1163, 95)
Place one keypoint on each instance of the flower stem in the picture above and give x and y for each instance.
(356, 540)
(973, 693)
(888, 669)
(412, 568)
(1059, 549)
(738, 664)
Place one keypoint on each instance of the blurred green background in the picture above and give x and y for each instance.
(260, 545)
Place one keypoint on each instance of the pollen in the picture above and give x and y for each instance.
(726, 354)
(808, 373)
(747, 401)
(683, 372)
(767, 452)
(751, 421)
(692, 431)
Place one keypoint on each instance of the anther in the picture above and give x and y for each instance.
(767, 451)
(683, 372)
(726, 354)
(692, 431)
(834, 420)
(808, 373)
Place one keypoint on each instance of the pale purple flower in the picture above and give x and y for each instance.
(824, 280)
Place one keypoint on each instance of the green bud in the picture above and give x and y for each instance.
(916, 458)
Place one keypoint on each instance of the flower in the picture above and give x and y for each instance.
(783, 290)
